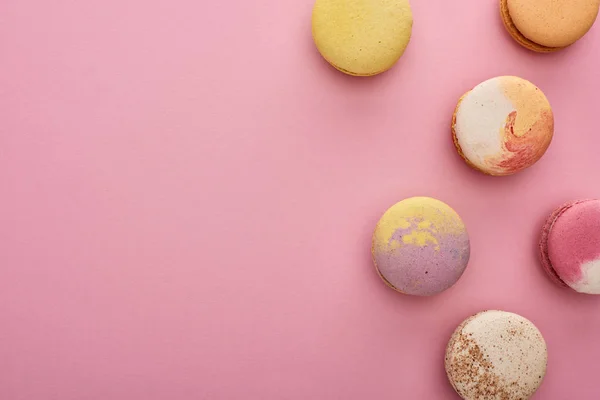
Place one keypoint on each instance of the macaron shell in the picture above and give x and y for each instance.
(496, 355)
(420, 246)
(573, 246)
(503, 125)
(518, 36)
(456, 143)
(553, 23)
(543, 245)
(362, 37)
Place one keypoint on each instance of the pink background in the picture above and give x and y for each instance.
(188, 193)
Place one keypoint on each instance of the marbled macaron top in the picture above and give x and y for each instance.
(503, 125)
(496, 355)
(570, 245)
(420, 246)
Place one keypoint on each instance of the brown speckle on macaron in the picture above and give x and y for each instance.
(489, 357)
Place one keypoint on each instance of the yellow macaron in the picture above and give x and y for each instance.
(362, 37)
(548, 25)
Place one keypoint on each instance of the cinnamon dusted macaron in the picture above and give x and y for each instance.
(570, 246)
(420, 246)
(548, 25)
(362, 37)
(503, 125)
(496, 355)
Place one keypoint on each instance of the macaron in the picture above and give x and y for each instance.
(502, 125)
(548, 25)
(570, 246)
(496, 355)
(420, 246)
(362, 37)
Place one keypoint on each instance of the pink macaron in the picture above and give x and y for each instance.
(570, 246)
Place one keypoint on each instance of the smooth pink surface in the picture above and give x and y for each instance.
(574, 239)
(189, 192)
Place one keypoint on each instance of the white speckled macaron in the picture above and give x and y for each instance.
(496, 355)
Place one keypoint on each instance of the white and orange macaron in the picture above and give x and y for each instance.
(503, 125)
(496, 355)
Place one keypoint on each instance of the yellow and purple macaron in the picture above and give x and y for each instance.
(420, 246)
(570, 246)
(496, 355)
(361, 37)
(548, 25)
(503, 125)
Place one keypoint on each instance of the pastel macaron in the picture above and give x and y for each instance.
(496, 355)
(362, 37)
(503, 125)
(420, 246)
(570, 246)
(548, 25)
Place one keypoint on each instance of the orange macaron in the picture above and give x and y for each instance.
(546, 26)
